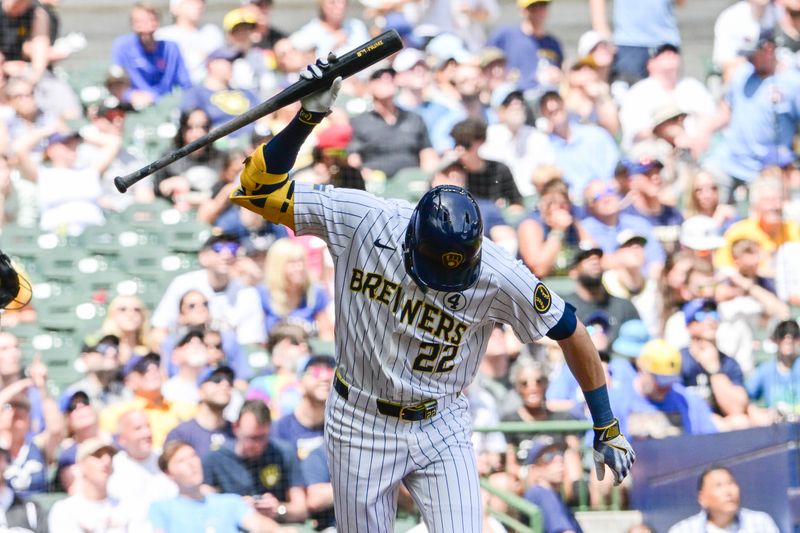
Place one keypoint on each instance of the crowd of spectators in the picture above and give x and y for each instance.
(662, 206)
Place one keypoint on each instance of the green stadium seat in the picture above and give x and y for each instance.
(102, 240)
(187, 236)
(66, 264)
(407, 184)
(58, 313)
(143, 214)
(154, 262)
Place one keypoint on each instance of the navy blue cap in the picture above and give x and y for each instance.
(325, 360)
(212, 371)
(225, 52)
(598, 317)
(642, 165)
(140, 363)
(693, 308)
(62, 137)
(542, 444)
(68, 400)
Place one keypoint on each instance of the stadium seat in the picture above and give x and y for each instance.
(407, 184)
(187, 236)
(145, 213)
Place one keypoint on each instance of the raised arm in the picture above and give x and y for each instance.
(265, 187)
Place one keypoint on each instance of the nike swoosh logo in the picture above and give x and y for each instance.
(379, 244)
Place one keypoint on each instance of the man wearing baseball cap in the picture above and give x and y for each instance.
(657, 405)
(545, 484)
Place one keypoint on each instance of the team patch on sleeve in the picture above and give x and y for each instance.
(541, 298)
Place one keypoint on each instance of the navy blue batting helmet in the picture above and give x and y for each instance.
(442, 249)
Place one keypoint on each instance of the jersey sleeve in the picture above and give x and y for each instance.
(523, 301)
(334, 214)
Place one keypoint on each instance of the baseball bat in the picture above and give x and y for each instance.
(345, 66)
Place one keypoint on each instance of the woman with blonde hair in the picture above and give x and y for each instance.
(703, 198)
(129, 320)
(288, 294)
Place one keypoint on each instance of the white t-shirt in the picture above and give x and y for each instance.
(522, 152)
(68, 199)
(237, 308)
(645, 96)
(139, 483)
(76, 514)
(177, 389)
(735, 26)
(195, 45)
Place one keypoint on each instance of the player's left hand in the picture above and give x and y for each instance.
(613, 449)
(320, 101)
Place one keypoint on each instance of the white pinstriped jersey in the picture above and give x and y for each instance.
(394, 341)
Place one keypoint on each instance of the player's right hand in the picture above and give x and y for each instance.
(613, 449)
(320, 101)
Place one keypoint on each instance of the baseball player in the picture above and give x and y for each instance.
(418, 291)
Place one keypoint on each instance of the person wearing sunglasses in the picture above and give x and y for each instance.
(82, 424)
(714, 376)
(233, 306)
(127, 320)
(546, 477)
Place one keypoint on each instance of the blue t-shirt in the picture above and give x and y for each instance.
(276, 471)
(315, 470)
(606, 236)
(220, 106)
(523, 52)
(763, 122)
(303, 315)
(557, 516)
(773, 386)
(668, 216)
(27, 472)
(645, 23)
(303, 439)
(235, 356)
(684, 409)
(220, 513)
(202, 440)
(156, 72)
(590, 154)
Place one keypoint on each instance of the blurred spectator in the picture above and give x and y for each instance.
(144, 378)
(466, 19)
(700, 235)
(194, 39)
(319, 490)
(664, 82)
(766, 226)
(219, 211)
(590, 295)
(649, 200)
(775, 383)
(26, 472)
(657, 405)
(287, 347)
(128, 321)
(190, 356)
(606, 221)
(638, 27)
(195, 315)
(719, 497)
(8, 192)
(529, 49)
(387, 138)
(596, 49)
(255, 466)
(737, 25)
(25, 115)
(233, 305)
(697, 282)
(583, 152)
(628, 346)
(486, 178)
(192, 509)
(99, 357)
(215, 95)
(25, 43)
(493, 371)
(90, 507)
(459, 81)
(513, 142)
(787, 277)
(761, 112)
(452, 172)
(546, 474)
(626, 278)
(154, 67)
(189, 180)
(530, 385)
(208, 431)
(329, 160)
(490, 447)
(702, 198)
(18, 513)
(708, 372)
(550, 235)
(136, 477)
(13, 382)
(787, 33)
(302, 428)
(67, 196)
(587, 96)
(266, 35)
(289, 295)
(332, 31)
(82, 425)
(673, 146)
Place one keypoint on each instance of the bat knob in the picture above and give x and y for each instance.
(120, 184)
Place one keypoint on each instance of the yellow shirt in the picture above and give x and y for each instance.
(162, 417)
(750, 229)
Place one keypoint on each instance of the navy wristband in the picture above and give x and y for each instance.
(599, 406)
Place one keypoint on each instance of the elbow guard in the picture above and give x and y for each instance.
(269, 195)
(566, 324)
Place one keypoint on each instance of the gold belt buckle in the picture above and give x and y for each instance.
(428, 407)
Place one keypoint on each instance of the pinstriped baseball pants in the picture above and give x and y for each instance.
(370, 454)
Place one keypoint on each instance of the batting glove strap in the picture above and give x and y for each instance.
(612, 449)
(312, 118)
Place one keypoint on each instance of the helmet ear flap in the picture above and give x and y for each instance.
(409, 245)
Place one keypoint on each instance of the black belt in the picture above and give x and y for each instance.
(411, 413)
